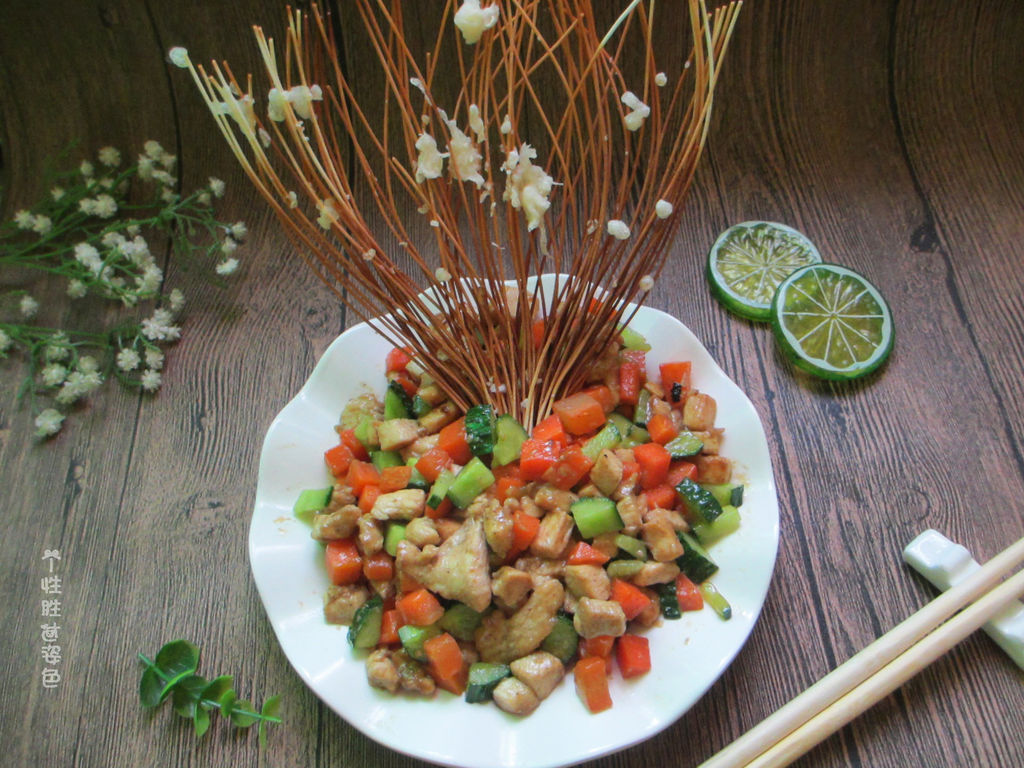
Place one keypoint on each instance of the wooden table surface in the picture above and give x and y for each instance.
(890, 132)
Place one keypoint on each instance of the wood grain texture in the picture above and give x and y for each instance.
(890, 132)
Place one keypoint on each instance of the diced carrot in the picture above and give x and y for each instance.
(507, 486)
(629, 469)
(348, 437)
(433, 462)
(603, 395)
(653, 460)
(343, 561)
(390, 623)
(397, 359)
(338, 458)
(405, 380)
(572, 466)
(537, 331)
(633, 653)
(637, 356)
(661, 428)
(551, 429)
(630, 597)
(420, 608)
(675, 373)
(597, 646)
(681, 470)
(580, 413)
(536, 457)
(662, 497)
(395, 478)
(452, 440)
(407, 584)
(584, 554)
(361, 474)
(445, 663)
(368, 498)
(442, 509)
(629, 383)
(592, 684)
(688, 594)
(379, 567)
(524, 531)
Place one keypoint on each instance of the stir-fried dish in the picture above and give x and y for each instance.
(467, 554)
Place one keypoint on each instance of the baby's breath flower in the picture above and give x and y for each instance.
(58, 348)
(48, 422)
(160, 327)
(88, 364)
(216, 186)
(151, 380)
(24, 220)
(128, 359)
(227, 267)
(176, 300)
(76, 289)
(238, 230)
(228, 246)
(168, 161)
(42, 225)
(87, 255)
(86, 169)
(168, 195)
(28, 306)
(153, 149)
(5, 341)
(203, 198)
(154, 358)
(145, 167)
(53, 374)
(149, 280)
(57, 193)
(105, 206)
(110, 157)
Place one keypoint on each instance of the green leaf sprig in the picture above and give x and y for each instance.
(172, 675)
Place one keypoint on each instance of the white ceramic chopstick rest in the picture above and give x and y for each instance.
(945, 564)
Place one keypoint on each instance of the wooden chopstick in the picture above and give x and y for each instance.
(794, 728)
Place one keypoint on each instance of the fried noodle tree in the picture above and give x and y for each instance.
(548, 158)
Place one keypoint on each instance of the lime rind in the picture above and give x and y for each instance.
(749, 260)
(832, 322)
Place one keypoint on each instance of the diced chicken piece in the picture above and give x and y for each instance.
(588, 581)
(699, 412)
(551, 499)
(412, 676)
(631, 510)
(606, 367)
(661, 539)
(439, 417)
(469, 653)
(498, 529)
(606, 544)
(670, 516)
(541, 566)
(341, 603)
(712, 440)
(331, 526)
(606, 473)
(540, 670)
(419, 446)
(457, 570)
(341, 496)
(381, 671)
(714, 470)
(446, 527)
(553, 535)
(481, 505)
(431, 394)
(371, 538)
(655, 389)
(421, 531)
(524, 504)
(400, 505)
(385, 588)
(569, 603)
(359, 407)
(502, 640)
(515, 697)
(599, 617)
(651, 614)
(510, 587)
(655, 573)
(589, 491)
(395, 434)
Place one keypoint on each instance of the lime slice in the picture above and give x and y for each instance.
(749, 260)
(832, 322)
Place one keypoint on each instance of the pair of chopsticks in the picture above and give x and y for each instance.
(879, 669)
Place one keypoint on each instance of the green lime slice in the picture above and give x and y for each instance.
(832, 322)
(749, 260)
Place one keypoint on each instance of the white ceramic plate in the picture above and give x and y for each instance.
(687, 655)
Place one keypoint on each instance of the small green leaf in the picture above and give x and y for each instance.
(227, 702)
(176, 661)
(201, 721)
(269, 710)
(187, 694)
(213, 692)
(243, 715)
(150, 687)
